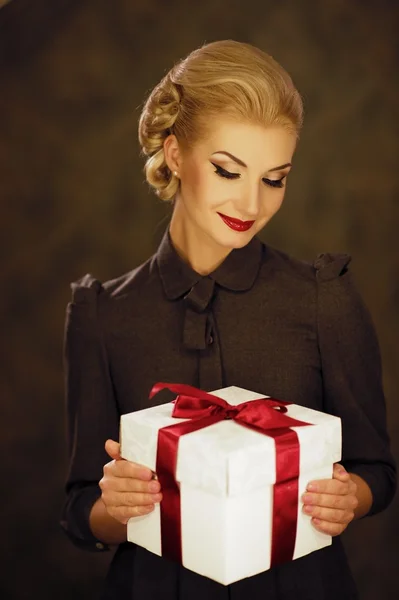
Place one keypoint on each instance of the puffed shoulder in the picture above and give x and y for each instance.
(86, 290)
(330, 266)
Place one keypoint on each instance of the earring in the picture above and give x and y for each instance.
(176, 174)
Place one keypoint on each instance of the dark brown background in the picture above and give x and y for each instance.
(73, 75)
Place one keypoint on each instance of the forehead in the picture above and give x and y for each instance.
(253, 144)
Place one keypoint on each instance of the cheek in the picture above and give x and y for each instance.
(194, 182)
(200, 187)
(195, 179)
(273, 200)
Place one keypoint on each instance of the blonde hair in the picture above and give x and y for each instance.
(227, 78)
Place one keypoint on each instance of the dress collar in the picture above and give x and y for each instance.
(237, 272)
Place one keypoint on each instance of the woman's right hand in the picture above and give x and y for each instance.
(128, 489)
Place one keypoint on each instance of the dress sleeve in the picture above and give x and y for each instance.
(352, 378)
(91, 411)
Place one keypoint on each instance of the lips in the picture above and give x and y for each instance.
(236, 224)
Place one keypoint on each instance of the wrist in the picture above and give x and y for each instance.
(363, 494)
(104, 527)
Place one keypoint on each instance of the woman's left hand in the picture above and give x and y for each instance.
(331, 502)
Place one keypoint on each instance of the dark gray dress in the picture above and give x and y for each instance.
(262, 321)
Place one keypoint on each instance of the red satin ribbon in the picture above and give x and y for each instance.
(268, 416)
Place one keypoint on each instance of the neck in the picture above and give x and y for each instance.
(193, 244)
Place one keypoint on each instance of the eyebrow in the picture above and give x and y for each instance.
(240, 162)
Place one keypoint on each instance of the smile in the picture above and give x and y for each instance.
(236, 224)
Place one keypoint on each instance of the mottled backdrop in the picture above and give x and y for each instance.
(73, 75)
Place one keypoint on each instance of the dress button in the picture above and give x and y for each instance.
(99, 546)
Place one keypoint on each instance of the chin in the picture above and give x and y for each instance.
(234, 239)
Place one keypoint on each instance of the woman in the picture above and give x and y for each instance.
(216, 307)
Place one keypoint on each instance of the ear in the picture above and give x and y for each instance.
(172, 151)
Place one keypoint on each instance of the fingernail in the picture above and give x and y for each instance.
(311, 487)
(307, 498)
(153, 486)
(307, 508)
(156, 497)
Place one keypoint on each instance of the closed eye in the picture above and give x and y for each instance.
(223, 173)
(274, 183)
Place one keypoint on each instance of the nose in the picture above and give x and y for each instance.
(248, 205)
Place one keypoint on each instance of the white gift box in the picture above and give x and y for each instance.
(226, 474)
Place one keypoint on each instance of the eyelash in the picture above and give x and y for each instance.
(274, 183)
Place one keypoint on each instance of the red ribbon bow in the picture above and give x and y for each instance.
(268, 416)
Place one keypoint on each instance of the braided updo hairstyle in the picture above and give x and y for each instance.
(225, 78)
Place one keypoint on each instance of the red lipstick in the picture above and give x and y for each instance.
(236, 224)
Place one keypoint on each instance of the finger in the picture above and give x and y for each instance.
(128, 499)
(123, 514)
(138, 499)
(332, 529)
(339, 472)
(127, 484)
(331, 515)
(340, 501)
(128, 469)
(112, 448)
(329, 486)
